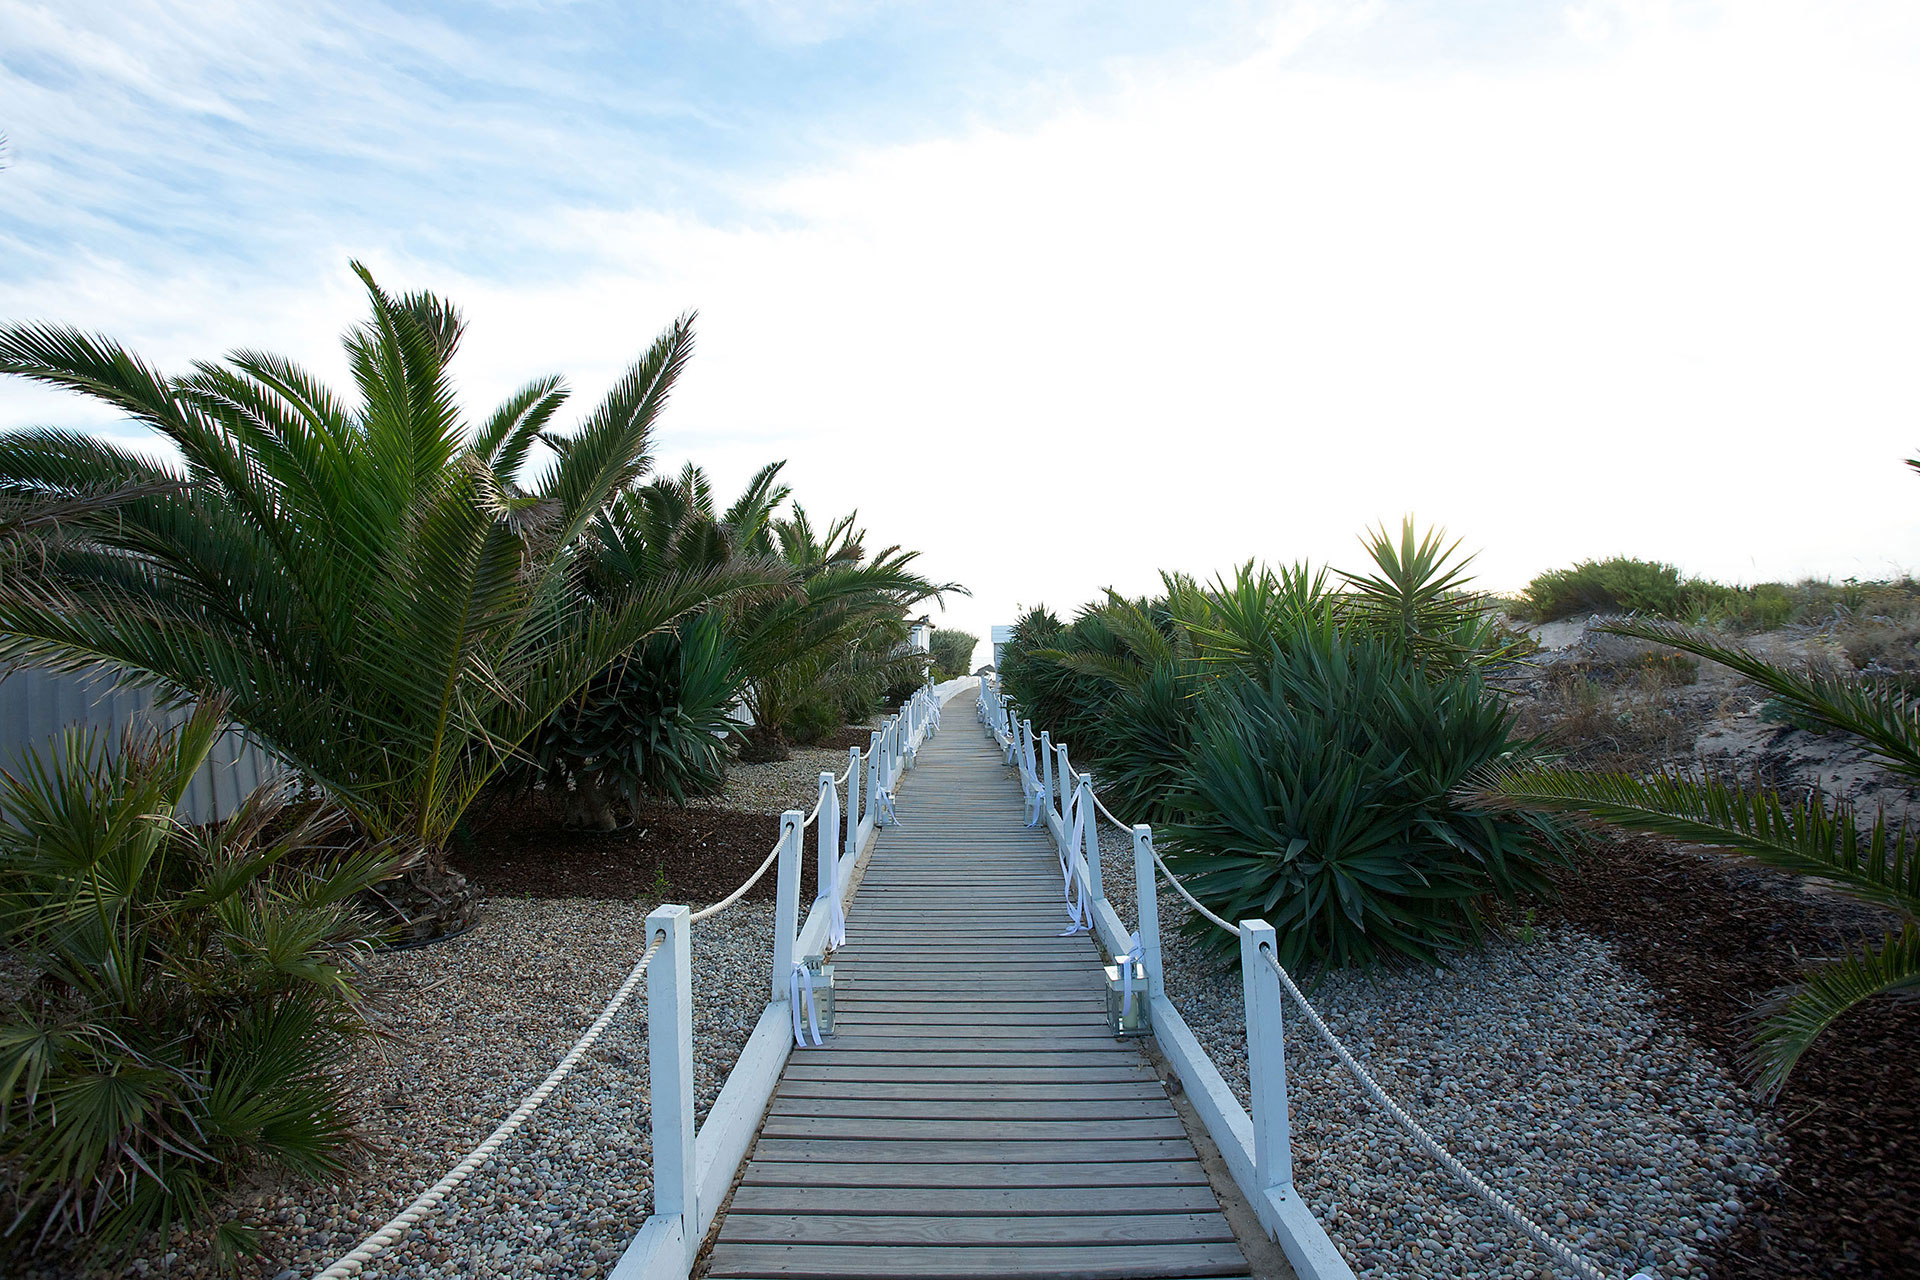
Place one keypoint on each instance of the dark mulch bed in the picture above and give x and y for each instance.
(1714, 935)
(520, 850)
(854, 735)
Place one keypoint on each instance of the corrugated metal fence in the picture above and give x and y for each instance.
(36, 707)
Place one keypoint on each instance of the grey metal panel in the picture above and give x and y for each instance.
(38, 706)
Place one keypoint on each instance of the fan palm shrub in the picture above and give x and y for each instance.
(193, 1004)
(1818, 836)
(369, 586)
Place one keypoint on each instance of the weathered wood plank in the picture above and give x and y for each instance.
(1088, 1150)
(983, 1129)
(960, 1201)
(1044, 1088)
(976, 1109)
(933, 1262)
(1075, 1069)
(828, 1173)
(824, 1227)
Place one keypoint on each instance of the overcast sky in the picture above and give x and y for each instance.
(1062, 294)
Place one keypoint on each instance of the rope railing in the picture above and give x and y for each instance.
(1017, 738)
(427, 1201)
(896, 743)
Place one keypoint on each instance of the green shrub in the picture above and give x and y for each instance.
(1321, 797)
(655, 723)
(1620, 585)
(952, 653)
(193, 1006)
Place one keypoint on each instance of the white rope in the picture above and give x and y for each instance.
(1426, 1142)
(737, 894)
(1182, 889)
(430, 1199)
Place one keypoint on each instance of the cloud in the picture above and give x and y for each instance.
(1635, 279)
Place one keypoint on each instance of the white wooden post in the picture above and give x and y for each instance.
(1046, 764)
(1147, 887)
(670, 1073)
(1090, 840)
(786, 901)
(1025, 756)
(1065, 774)
(853, 801)
(827, 861)
(1266, 1060)
(876, 761)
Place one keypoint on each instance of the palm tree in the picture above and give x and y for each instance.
(371, 589)
(832, 637)
(838, 640)
(1819, 836)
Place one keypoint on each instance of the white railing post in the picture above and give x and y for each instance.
(1266, 1060)
(1065, 774)
(670, 1073)
(876, 761)
(1147, 887)
(1090, 840)
(1046, 764)
(786, 902)
(827, 860)
(853, 801)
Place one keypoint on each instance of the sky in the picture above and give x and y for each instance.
(1060, 294)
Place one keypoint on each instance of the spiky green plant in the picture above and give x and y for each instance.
(192, 1003)
(1320, 796)
(1818, 836)
(369, 586)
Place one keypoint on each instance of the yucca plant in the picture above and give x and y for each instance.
(1321, 796)
(1817, 836)
(655, 723)
(369, 586)
(192, 1005)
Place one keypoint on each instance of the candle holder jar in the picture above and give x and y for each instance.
(820, 969)
(1124, 1017)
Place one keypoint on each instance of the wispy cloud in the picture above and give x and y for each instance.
(1610, 277)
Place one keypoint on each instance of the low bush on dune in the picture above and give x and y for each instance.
(1621, 585)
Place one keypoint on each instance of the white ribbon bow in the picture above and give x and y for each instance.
(1035, 802)
(1134, 956)
(836, 914)
(802, 977)
(1076, 899)
(883, 804)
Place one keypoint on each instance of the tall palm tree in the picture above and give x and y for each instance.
(1820, 836)
(376, 594)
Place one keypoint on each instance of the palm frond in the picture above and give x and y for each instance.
(1798, 1016)
(1885, 717)
(1816, 837)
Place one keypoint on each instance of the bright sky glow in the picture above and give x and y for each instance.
(1062, 294)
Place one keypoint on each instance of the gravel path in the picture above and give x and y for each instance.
(486, 1017)
(1543, 1065)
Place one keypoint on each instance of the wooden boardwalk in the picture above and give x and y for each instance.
(972, 1117)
